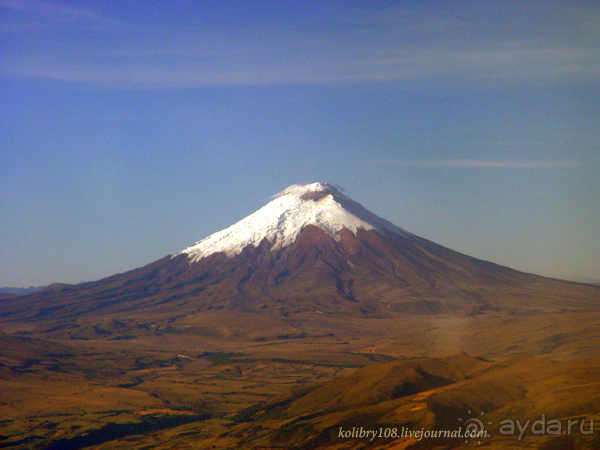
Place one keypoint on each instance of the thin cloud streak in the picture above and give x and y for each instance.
(44, 16)
(392, 46)
(476, 164)
(480, 67)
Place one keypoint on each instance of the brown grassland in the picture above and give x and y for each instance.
(230, 380)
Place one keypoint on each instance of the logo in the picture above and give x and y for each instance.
(474, 428)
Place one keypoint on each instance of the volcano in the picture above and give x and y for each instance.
(314, 250)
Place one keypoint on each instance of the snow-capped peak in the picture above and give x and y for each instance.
(281, 220)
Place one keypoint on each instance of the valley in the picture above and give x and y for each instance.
(210, 379)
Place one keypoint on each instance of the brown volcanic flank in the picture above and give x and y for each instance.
(372, 273)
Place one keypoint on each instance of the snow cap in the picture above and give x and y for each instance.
(282, 219)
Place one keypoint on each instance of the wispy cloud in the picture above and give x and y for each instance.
(352, 46)
(192, 69)
(515, 143)
(476, 164)
(45, 15)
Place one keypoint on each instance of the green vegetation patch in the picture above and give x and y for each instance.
(222, 357)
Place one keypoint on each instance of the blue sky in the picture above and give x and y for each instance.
(130, 130)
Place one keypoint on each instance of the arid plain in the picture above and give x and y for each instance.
(226, 379)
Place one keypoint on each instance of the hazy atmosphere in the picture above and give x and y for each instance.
(130, 130)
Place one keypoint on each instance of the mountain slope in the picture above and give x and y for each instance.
(430, 394)
(310, 250)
